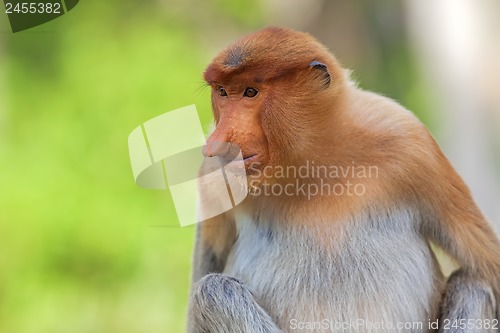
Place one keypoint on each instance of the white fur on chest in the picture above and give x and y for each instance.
(375, 261)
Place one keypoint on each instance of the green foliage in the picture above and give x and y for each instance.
(83, 249)
(245, 12)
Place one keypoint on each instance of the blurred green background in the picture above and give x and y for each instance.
(82, 248)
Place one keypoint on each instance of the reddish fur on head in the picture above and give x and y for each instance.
(291, 114)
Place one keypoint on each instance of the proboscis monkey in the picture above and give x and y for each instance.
(347, 189)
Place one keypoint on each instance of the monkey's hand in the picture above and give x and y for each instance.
(223, 304)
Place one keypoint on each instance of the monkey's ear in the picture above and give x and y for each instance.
(319, 66)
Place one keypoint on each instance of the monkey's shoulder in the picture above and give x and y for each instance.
(386, 131)
(393, 139)
(383, 116)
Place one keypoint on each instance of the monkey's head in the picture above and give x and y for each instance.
(273, 96)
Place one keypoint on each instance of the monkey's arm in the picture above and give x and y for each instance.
(214, 239)
(457, 225)
(220, 303)
(216, 235)
(453, 221)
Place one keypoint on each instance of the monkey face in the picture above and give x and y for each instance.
(271, 92)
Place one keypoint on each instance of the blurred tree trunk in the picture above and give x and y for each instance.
(458, 44)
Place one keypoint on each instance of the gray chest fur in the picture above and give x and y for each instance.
(376, 269)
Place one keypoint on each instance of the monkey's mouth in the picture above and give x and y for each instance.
(252, 161)
(250, 157)
(247, 159)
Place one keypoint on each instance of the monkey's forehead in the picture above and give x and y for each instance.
(266, 53)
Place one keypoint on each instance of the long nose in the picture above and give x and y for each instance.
(218, 143)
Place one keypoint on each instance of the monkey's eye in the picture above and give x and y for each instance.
(250, 92)
(221, 91)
